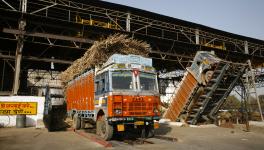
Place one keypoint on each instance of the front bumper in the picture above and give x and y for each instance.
(124, 123)
(129, 120)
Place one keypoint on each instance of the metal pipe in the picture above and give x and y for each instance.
(47, 35)
(33, 58)
(9, 5)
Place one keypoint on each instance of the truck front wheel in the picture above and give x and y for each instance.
(103, 129)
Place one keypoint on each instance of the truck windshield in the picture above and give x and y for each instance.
(147, 82)
(122, 80)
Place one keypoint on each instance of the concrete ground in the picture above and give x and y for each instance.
(41, 139)
(209, 138)
(216, 138)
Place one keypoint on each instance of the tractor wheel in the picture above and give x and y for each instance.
(103, 129)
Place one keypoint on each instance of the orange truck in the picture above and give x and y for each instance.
(121, 95)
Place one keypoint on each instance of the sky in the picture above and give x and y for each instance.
(243, 17)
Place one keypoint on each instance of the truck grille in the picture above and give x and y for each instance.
(137, 108)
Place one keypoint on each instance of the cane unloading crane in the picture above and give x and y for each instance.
(203, 89)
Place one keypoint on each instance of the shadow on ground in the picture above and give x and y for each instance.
(163, 129)
(55, 124)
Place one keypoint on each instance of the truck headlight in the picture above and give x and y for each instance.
(118, 111)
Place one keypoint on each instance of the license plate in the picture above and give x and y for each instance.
(120, 127)
(139, 123)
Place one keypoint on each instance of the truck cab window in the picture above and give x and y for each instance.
(103, 85)
(97, 87)
(147, 81)
(122, 80)
(100, 84)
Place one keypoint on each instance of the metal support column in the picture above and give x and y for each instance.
(128, 22)
(250, 80)
(246, 47)
(250, 75)
(244, 105)
(197, 38)
(24, 6)
(20, 45)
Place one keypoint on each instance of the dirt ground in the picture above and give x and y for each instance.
(208, 138)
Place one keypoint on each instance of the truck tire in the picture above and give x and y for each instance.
(103, 129)
(76, 122)
(82, 123)
(149, 131)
